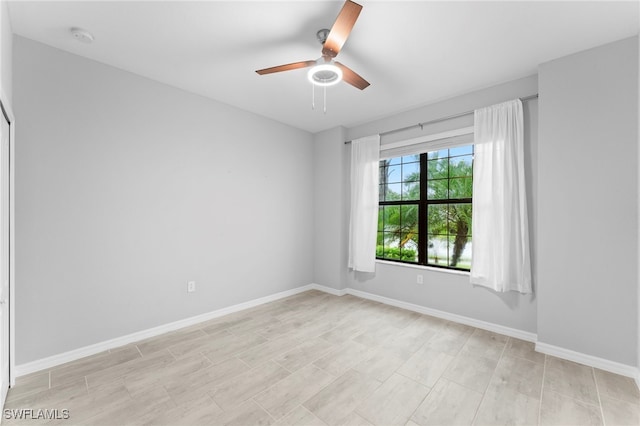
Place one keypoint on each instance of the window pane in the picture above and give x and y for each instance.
(409, 247)
(437, 250)
(438, 169)
(382, 173)
(411, 191)
(391, 243)
(394, 190)
(391, 218)
(460, 187)
(460, 252)
(394, 173)
(448, 222)
(437, 216)
(437, 154)
(411, 158)
(461, 150)
(409, 219)
(461, 166)
(411, 172)
(437, 189)
(459, 218)
(398, 232)
(380, 245)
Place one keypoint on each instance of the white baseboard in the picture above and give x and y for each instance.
(329, 290)
(590, 360)
(55, 360)
(484, 325)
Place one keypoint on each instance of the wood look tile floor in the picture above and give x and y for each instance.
(318, 359)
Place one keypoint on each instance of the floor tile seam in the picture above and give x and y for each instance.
(595, 380)
(613, 398)
(581, 401)
(301, 405)
(175, 358)
(17, 396)
(361, 414)
(335, 376)
(251, 369)
(564, 363)
(465, 343)
(416, 381)
(423, 399)
(493, 374)
(278, 382)
(253, 398)
(235, 405)
(459, 384)
(524, 358)
(138, 349)
(242, 401)
(285, 368)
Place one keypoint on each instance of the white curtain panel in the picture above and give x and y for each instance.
(363, 220)
(500, 259)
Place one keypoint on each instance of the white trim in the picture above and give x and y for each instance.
(603, 364)
(329, 290)
(428, 138)
(496, 328)
(423, 267)
(589, 360)
(12, 232)
(484, 325)
(52, 361)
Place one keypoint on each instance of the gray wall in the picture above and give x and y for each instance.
(126, 189)
(441, 290)
(331, 229)
(588, 209)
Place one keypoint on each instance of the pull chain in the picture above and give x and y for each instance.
(325, 99)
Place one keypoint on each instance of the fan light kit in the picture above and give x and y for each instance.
(325, 71)
(325, 75)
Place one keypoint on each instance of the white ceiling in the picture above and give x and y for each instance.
(412, 53)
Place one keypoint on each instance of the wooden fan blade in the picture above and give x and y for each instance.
(351, 77)
(287, 67)
(341, 28)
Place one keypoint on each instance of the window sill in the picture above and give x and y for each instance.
(424, 268)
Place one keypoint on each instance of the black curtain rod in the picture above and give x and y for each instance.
(437, 120)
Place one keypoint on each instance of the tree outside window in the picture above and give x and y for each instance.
(425, 208)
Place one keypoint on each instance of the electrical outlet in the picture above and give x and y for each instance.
(419, 279)
(191, 286)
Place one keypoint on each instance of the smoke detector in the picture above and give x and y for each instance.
(81, 35)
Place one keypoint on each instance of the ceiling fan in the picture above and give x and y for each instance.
(325, 70)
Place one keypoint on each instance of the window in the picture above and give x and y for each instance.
(424, 212)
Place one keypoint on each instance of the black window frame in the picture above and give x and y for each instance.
(423, 208)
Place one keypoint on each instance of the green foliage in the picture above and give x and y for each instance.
(448, 178)
(396, 253)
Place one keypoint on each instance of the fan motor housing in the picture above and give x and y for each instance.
(322, 35)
